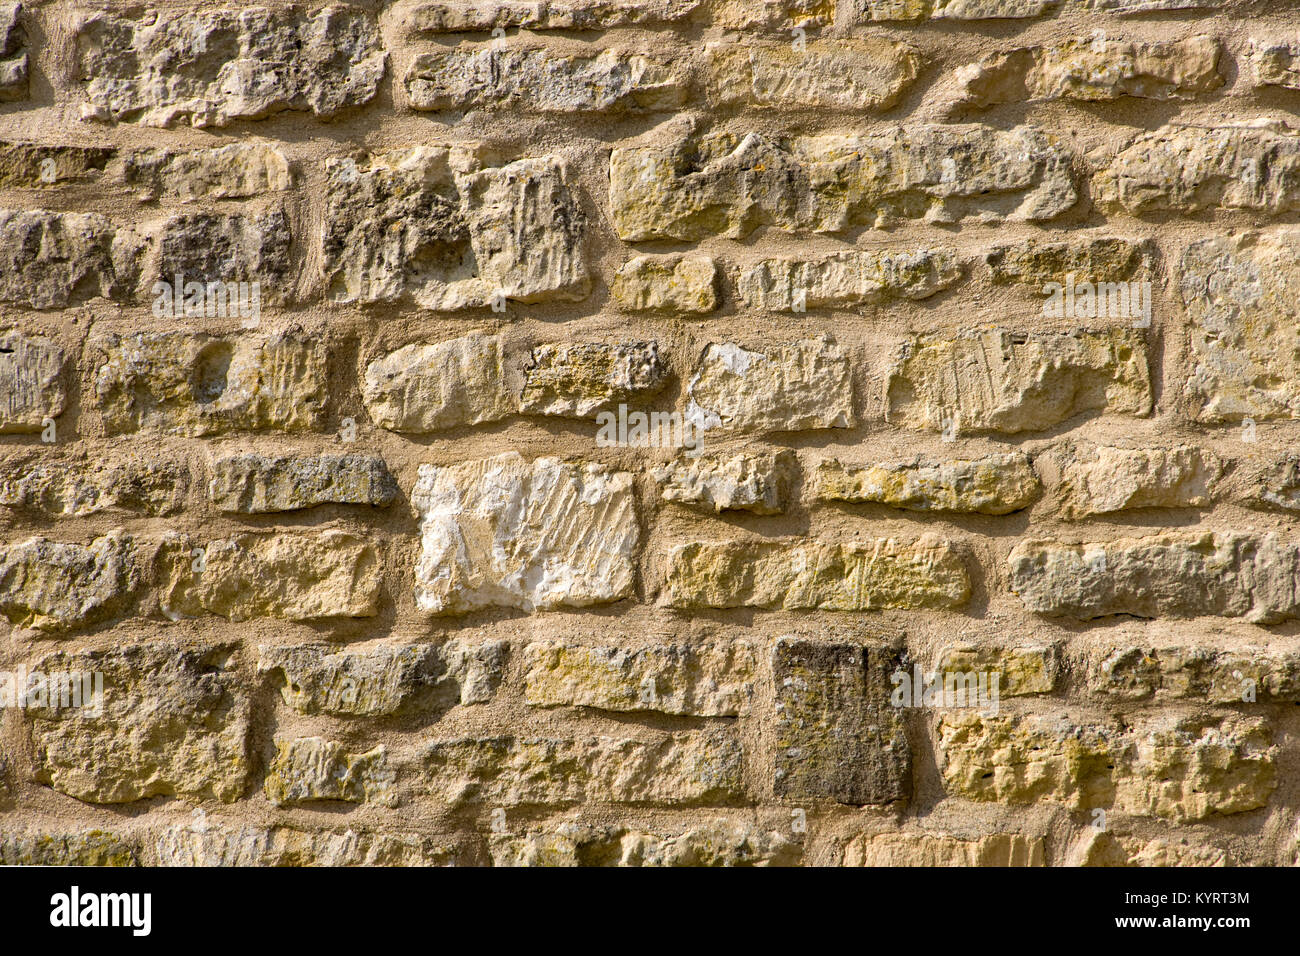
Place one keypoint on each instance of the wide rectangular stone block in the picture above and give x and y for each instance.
(256, 484)
(56, 585)
(995, 485)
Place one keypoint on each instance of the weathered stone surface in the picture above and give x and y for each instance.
(727, 185)
(699, 680)
(210, 247)
(458, 16)
(36, 166)
(1103, 479)
(49, 260)
(1110, 849)
(672, 284)
(1096, 69)
(806, 384)
(295, 576)
(542, 81)
(384, 680)
(671, 769)
(1037, 262)
(1253, 166)
(780, 15)
(953, 9)
(29, 847)
(1274, 63)
(196, 384)
(211, 68)
(574, 380)
(428, 224)
(793, 575)
(238, 171)
(720, 843)
(1000, 381)
(205, 843)
(1239, 295)
(1022, 670)
(846, 279)
(835, 733)
(32, 387)
(1192, 671)
(13, 54)
(256, 484)
(1123, 7)
(761, 483)
(996, 485)
(1179, 574)
(927, 849)
(1180, 770)
(1277, 486)
(509, 533)
(53, 585)
(309, 769)
(427, 388)
(86, 485)
(862, 73)
(172, 722)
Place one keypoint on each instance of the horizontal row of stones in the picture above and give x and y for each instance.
(506, 533)
(836, 731)
(228, 65)
(717, 840)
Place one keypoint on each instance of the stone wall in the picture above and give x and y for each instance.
(566, 431)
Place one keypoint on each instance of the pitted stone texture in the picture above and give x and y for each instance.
(50, 260)
(790, 387)
(1201, 671)
(311, 769)
(198, 385)
(1036, 262)
(673, 770)
(1179, 574)
(722, 843)
(698, 680)
(1239, 294)
(1124, 7)
(1190, 169)
(672, 284)
(863, 73)
(174, 722)
(796, 575)
(953, 9)
(384, 680)
(81, 485)
(847, 279)
(256, 484)
(503, 532)
(541, 81)
(934, 849)
(13, 54)
(1022, 670)
(35, 166)
(1276, 487)
(429, 225)
(1180, 770)
(460, 16)
(1008, 382)
(996, 485)
(1275, 63)
(298, 576)
(238, 171)
(214, 67)
(1103, 479)
(728, 185)
(835, 733)
(1096, 69)
(574, 380)
(208, 843)
(761, 483)
(211, 247)
(23, 846)
(32, 386)
(1113, 849)
(55, 585)
(428, 388)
